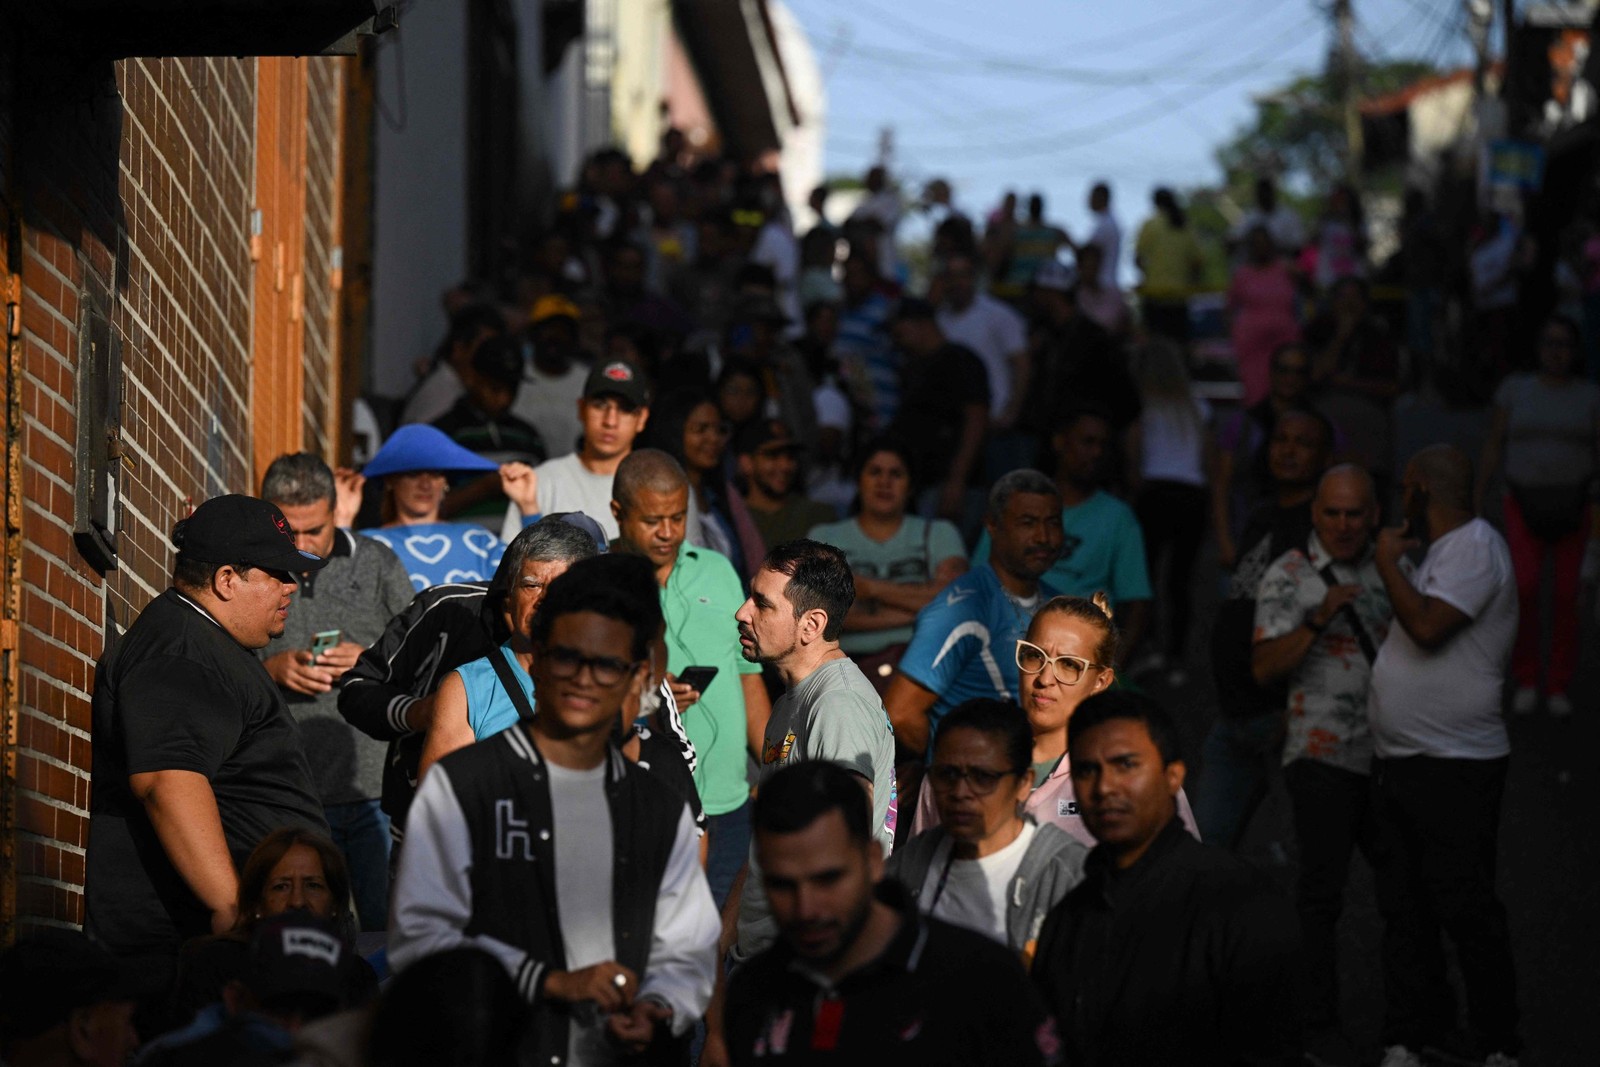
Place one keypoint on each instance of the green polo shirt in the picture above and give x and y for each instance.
(699, 600)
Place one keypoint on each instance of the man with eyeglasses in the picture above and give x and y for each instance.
(614, 410)
(546, 848)
(1169, 951)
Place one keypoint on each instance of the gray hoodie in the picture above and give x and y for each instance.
(1052, 865)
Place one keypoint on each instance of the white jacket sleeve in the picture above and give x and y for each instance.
(433, 891)
(683, 952)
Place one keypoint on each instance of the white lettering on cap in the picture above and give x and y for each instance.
(312, 943)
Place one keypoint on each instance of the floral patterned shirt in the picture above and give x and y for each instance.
(1327, 712)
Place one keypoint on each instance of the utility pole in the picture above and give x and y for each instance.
(1480, 13)
(1344, 67)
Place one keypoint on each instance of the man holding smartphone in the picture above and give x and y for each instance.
(338, 612)
(700, 591)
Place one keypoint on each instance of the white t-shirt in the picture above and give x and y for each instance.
(974, 894)
(551, 405)
(1108, 235)
(996, 333)
(1174, 450)
(565, 484)
(581, 819)
(1446, 703)
(436, 395)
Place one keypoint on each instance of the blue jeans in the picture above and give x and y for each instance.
(361, 830)
(727, 850)
(1236, 759)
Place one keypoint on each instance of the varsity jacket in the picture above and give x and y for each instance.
(478, 869)
(1051, 866)
(442, 628)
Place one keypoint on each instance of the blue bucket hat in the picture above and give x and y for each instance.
(423, 448)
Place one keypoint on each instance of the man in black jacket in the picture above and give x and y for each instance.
(546, 848)
(389, 693)
(1169, 951)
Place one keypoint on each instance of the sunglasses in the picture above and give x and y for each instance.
(1031, 659)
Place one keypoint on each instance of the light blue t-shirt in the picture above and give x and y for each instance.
(1102, 548)
(964, 643)
(909, 557)
(435, 553)
(489, 707)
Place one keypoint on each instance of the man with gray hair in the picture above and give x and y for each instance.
(338, 612)
(700, 591)
(391, 694)
(962, 645)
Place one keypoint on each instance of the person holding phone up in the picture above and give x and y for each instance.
(338, 611)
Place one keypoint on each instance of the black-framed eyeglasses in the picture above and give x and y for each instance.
(1031, 659)
(984, 781)
(567, 662)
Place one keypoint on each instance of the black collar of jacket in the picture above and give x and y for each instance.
(1100, 867)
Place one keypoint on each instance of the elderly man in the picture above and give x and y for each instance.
(699, 594)
(1442, 751)
(196, 757)
(1321, 613)
(352, 599)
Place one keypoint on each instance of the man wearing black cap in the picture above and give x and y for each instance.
(614, 410)
(195, 755)
(64, 1000)
(769, 464)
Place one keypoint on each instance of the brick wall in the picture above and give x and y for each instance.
(135, 186)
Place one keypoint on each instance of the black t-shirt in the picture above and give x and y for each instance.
(1269, 532)
(177, 693)
(934, 395)
(1078, 364)
(937, 995)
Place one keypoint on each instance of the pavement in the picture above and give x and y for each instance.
(1549, 868)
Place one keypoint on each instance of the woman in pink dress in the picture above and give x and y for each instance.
(1261, 305)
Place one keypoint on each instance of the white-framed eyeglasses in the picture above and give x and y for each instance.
(1068, 670)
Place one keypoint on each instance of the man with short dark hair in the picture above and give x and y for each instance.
(614, 410)
(1169, 951)
(196, 757)
(699, 594)
(828, 711)
(1440, 769)
(546, 847)
(363, 586)
(768, 455)
(961, 645)
(857, 978)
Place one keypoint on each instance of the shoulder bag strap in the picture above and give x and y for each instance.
(509, 682)
(1368, 649)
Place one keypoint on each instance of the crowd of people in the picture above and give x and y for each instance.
(742, 651)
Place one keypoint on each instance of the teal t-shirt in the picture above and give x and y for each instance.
(699, 600)
(1103, 548)
(910, 556)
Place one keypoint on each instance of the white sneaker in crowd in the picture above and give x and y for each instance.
(1399, 1056)
(1525, 701)
(1559, 706)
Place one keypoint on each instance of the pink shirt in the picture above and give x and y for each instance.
(1053, 802)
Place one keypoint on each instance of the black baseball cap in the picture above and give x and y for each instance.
(297, 956)
(49, 973)
(770, 435)
(616, 378)
(242, 530)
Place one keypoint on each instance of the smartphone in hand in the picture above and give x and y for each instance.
(697, 678)
(324, 641)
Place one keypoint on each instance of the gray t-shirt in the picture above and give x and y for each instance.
(582, 824)
(1549, 430)
(834, 714)
(565, 484)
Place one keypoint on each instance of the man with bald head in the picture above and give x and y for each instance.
(700, 592)
(1441, 753)
(1321, 613)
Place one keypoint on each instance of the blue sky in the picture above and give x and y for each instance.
(1050, 95)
